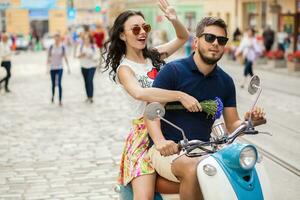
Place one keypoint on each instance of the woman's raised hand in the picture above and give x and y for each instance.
(168, 10)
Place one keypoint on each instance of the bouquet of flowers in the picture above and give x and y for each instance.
(212, 108)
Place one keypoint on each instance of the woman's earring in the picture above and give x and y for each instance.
(122, 37)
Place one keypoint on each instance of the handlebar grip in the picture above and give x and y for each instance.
(259, 122)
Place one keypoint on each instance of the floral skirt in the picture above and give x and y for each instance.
(135, 161)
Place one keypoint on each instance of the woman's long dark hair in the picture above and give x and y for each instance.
(116, 48)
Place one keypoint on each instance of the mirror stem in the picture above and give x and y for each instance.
(256, 99)
(170, 123)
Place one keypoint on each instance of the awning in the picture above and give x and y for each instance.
(4, 5)
(38, 4)
(41, 14)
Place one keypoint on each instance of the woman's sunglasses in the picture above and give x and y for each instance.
(210, 38)
(137, 29)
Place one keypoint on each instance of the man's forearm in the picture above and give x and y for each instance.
(235, 125)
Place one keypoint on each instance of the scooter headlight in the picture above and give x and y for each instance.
(248, 157)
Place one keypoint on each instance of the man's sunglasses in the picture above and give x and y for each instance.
(137, 29)
(210, 38)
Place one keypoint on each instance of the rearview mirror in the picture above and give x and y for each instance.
(254, 84)
(154, 110)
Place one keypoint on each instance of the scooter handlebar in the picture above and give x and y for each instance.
(259, 122)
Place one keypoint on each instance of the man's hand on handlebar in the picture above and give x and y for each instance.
(167, 147)
(256, 114)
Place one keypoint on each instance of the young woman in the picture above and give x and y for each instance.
(56, 53)
(134, 66)
(88, 62)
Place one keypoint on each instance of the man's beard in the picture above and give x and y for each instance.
(209, 61)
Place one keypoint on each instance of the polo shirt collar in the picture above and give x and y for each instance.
(192, 65)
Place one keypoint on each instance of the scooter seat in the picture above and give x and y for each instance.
(165, 186)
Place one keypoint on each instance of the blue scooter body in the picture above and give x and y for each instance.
(126, 193)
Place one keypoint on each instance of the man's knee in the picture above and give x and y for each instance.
(184, 166)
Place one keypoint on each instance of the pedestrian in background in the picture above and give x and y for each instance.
(99, 38)
(250, 50)
(188, 46)
(282, 40)
(5, 56)
(88, 55)
(56, 53)
(269, 37)
(237, 34)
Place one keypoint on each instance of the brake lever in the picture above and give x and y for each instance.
(250, 132)
(193, 155)
(266, 133)
(255, 132)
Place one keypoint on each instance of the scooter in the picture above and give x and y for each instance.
(229, 170)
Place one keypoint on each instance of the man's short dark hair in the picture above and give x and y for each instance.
(210, 21)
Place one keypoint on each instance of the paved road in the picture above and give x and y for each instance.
(72, 152)
(280, 99)
(52, 152)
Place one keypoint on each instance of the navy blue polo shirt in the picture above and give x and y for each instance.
(183, 75)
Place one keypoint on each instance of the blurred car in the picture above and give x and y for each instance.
(22, 42)
(47, 41)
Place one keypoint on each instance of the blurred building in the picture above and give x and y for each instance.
(250, 13)
(88, 12)
(4, 4)
(189, 12)
(278, 14)
(115, 8)
(41, 16)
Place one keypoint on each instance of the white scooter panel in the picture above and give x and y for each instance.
(216, 186)
(264, 180)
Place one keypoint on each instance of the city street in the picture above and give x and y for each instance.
(72, 152)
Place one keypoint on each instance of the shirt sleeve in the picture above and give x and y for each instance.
(257, 47)
(89, 52)
(166, 78)
(230, 99)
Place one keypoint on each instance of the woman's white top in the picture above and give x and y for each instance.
(145, 74)
(91, 58)
(56, 54)
(5, 51)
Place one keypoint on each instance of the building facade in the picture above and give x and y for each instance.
(90, 12)
(280, 15)
(189, 12)
(4, 4)
(25, 16)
